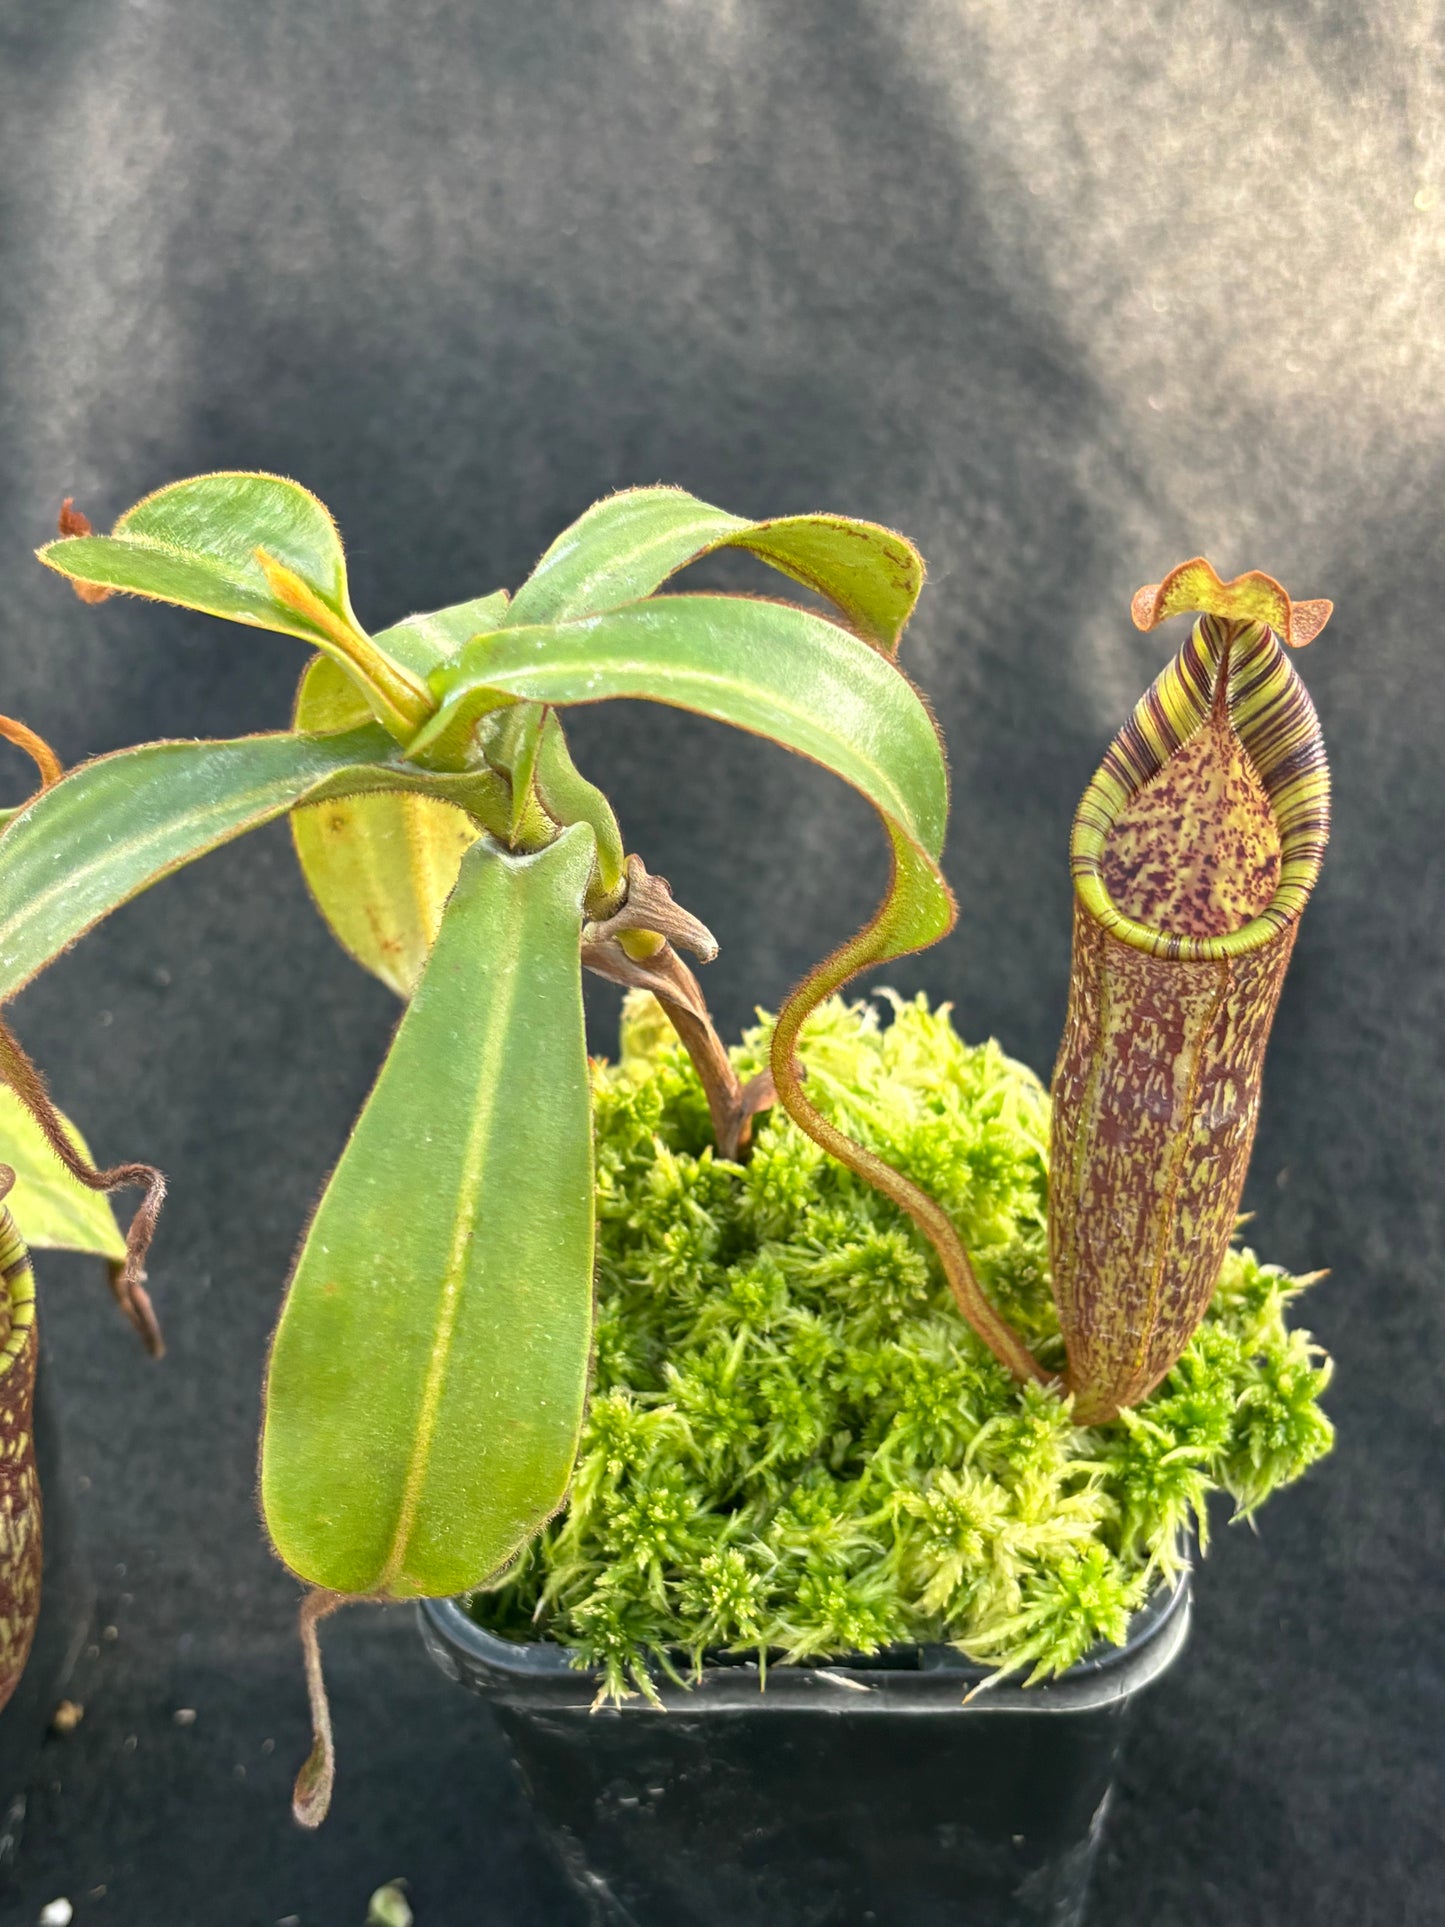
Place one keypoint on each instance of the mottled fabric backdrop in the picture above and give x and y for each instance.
(1067, 294)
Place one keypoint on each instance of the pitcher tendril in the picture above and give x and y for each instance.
(127, 1276)
(311, 1795)
(47, 764)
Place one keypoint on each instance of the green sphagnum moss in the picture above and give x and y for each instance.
(796, 1446)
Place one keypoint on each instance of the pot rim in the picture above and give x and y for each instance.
(928, 1681)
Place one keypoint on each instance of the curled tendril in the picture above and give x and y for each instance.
(47, 763)
(127, 1277)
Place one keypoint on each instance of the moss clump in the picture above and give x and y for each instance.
(796, 1446)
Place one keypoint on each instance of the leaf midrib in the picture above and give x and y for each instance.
(619, 560)
(520, 682)
(474, 1160)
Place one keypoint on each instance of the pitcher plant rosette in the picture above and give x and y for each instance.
(428, 1378)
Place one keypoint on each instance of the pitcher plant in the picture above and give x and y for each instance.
(429, 1372)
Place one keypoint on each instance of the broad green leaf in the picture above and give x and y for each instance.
(422, 642)
(771, 668)
(626, 546)
(54, 1211)
(195, 543)
(113, 827)
(427, 1378)
(256, 549)
(380, 867)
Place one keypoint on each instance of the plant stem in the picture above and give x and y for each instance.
(401, 700)
(731, 1104)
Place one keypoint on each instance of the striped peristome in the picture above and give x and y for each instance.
(20, 1521)
(1271, 713)
(1194, 851)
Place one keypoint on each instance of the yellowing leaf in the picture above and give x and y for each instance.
(54, 1211)
(380, 868)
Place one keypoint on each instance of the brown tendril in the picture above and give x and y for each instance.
(311, 1795)
(127, 1276)
(47, 763)
(610, 949)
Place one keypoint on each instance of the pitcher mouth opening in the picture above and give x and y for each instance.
(1233, 677)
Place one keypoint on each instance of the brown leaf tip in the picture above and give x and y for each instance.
(1196, 588)
(72, 522)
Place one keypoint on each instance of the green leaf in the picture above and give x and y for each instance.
(423, 642)
(427, 1378)
(380, 867)
(53, 1210)
(767, 667)
(113, 827)
(252, 548)
(623, 548)
(195, 543)
(787, 674)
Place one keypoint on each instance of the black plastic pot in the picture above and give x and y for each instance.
(67, 1600)
(862, 1792)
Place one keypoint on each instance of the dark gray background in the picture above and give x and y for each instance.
(1065, 293)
